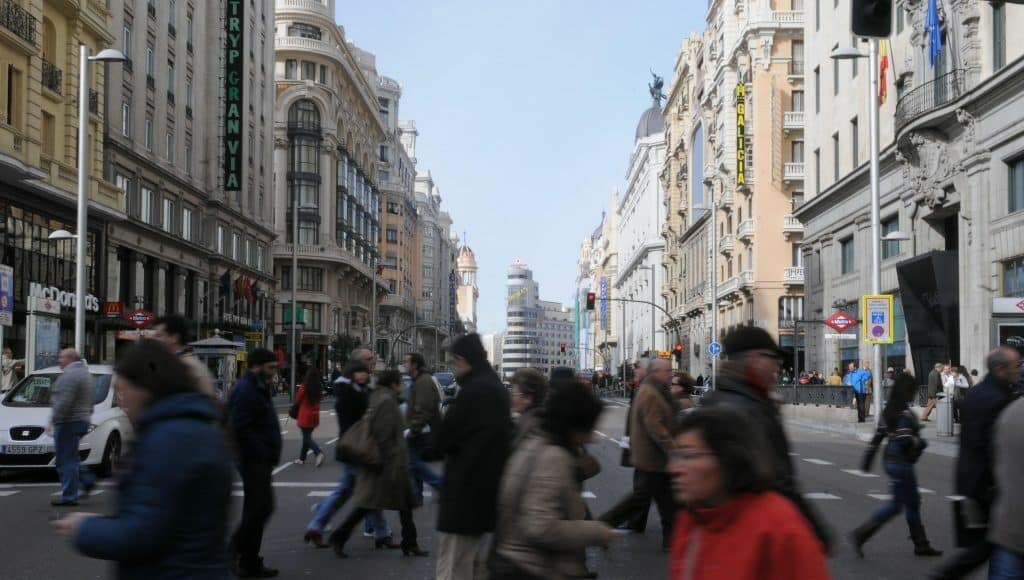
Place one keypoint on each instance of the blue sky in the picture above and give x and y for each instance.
(526, 112)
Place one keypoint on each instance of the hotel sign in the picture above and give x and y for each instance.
(741, 133)
(234, 47)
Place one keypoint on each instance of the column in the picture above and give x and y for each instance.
(139, 285)
(113, 273)
(160, 292)
(180, 280)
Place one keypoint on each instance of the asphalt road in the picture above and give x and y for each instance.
(29, 550)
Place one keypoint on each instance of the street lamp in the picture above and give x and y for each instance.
(105, 55)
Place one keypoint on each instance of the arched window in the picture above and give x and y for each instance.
(304, 116)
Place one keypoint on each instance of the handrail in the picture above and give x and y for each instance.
(929, 96)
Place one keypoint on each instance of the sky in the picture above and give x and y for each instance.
(526, 113)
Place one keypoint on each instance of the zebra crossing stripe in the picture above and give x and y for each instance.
(821, 495)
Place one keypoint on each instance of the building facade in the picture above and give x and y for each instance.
(328, 134)
(606, 320)
(584, 348)
(437, 282)
(951, 179)
(468, 292)
(535, 329)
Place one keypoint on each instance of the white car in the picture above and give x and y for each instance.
(25, 414)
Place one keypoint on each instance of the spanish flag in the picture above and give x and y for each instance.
(883, 66)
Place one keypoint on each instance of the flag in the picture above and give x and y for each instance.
(883, 66)
(934, 30)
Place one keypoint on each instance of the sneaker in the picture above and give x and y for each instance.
(369, 535)
(300, 462)
(319, 459)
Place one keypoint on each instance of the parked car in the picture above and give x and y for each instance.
(25, 414)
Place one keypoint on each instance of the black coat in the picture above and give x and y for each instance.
(474, 438)
(766, 423)
(253, 421)
(350, 403)
(978, 414)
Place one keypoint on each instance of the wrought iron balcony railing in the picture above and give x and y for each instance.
(94, 102)
(929, 96)
(53, 77)
(18, 20)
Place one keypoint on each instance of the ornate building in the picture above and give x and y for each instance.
(468, 292)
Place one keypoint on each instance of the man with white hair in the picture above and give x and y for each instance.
(71, 401)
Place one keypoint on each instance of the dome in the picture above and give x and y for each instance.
(467, 259)
(652, 122)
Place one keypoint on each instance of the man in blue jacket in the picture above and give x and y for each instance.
(257, 432)
(858, 380)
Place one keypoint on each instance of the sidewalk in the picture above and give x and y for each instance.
(843, 421)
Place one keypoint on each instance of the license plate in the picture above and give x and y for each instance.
(25, 449)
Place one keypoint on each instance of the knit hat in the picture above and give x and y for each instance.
(747, 338)
(259, 356)
(469, 347)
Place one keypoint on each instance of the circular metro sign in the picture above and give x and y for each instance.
(840, 322)
(140, 318)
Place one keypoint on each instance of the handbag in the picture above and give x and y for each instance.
(293, 411)
(358, 446)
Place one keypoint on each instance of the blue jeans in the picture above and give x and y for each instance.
(1005, 565)
(66, 437)
(308, 444)
(325, 510)
(421, 472)
(905, 495)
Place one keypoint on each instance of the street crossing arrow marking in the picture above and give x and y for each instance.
(588, 495)
(8, 493)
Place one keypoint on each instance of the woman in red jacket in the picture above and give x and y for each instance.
(732, 528)
(310, 393)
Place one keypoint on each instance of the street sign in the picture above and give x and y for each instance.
(877, 316)
(140, 318)
(254, 337)
(840, 322)
(715, 348)
(6, 295)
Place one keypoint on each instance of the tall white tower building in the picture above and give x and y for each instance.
(467, 293)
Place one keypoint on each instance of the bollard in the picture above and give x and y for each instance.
(944, 421)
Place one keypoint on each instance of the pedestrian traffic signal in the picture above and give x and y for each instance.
(871, 18)
(591, 297)
(678, 352)
(562, 346)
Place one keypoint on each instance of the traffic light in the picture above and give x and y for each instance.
(591, 297)
(678, 352)
(562, 346)
(871, 18)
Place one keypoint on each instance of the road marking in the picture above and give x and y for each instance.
(333, 414)
(956, 497)
(925, 490)
(821, 495)
(8, 493)
(281, 468)
(880, 496)
(331, 441)
(791, 454)
(859, 473)
(318, 494)
(90, 494)
(588, 495)
(284, 432)
(818, 461)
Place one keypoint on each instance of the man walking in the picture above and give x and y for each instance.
(253, 421)
(1007, 530)
(474, 438)
(650, 443)
(638, 522)
(71, 401)
(975, 479)
(746, 382)
(934, 385)
(423, 415)
(172, 330)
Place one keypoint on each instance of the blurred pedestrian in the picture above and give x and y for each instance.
(173, 330)
(308, 398)
(71, 400)
(651, 419)
(733, 526)
(389, 485)
(423, 412)
(172, 514)
(974, 466)
(257, 432)
(934, 385)
(1007, 530)
(638, 522)
(11, 370)
(746, 383)
(474, 437)
(529, 388)
(835, 379)
(542, 526)
(681, 388)
(904, 447)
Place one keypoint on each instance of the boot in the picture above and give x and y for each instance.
(862, 534)
(337, 541)
(921, 545)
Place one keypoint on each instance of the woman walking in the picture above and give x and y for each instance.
(681, 388)
(732, 526)
(529, 387)
(388, 486)
(311, 392)
(542, 531)
(172, 515)
(900, 426)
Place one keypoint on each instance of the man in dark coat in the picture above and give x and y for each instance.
(745, 383)
(974, 466)
(253, 421)
(423, 414)
(474, 438)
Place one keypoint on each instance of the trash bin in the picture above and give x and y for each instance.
(944, 424)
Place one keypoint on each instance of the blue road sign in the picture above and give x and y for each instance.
(715, 348)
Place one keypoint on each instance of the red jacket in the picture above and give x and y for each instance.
(309, 412)
(753, 536)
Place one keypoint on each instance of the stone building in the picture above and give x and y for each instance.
(536, 329)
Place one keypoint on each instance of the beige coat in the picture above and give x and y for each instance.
(541, 526)
(650, 433)
(388, 487)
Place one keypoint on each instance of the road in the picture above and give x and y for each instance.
(29, 550)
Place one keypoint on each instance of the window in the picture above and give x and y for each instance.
(308, 71)
(290, 68)
(310, 279)
(312, 315)
(126, 38)
(168, 215)
(146, 205)
(15, 91)
(261, 253)
(797, 151)
(188, 93)
(817, 89)
(900, 15)
(235, 243)
(1013, 278)
(384, 153)
(998, 35)
(798, 101)
(150, 61)
(188, 159)
(392, 208)
(323, 74)
(855, 145)
(186, 224)
(385, 108)
(817, 14)
(846, 255)
(170, 147)
(149, 133)
(248, 252)
(383, 176)
(835, 72)
(304, 30)
(890, 249)
(835, 157)
(853, 61)
(221, 240)
(124, 183)
(188, 28)
(392, 236)
(170, 77)
(1016, 186)
(126, 119)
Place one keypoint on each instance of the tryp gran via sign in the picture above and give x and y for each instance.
(234, 48)
(741, 133)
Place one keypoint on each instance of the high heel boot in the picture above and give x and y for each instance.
(922, 547)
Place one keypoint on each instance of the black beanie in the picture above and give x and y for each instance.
(469, 347)
(259, 356)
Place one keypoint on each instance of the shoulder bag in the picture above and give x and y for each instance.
(358, 446)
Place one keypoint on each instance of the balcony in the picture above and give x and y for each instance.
(397, 301)
(793, 276)
(317, 6)
(746, 229)
(747, 279)
(793, 121)
(18, 20)
(726, 198)
(929, 96)
(726, 244)
(150, 81)
(796, 69)
(788, 17)
(297, 43)
(94, 102)
(793, 172)
(730, 286)
(53, 77)
(791, 225)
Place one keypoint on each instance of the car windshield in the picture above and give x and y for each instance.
(444, 378)
(34, 390)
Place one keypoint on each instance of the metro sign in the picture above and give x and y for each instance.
(840, 322)
(139, 318)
